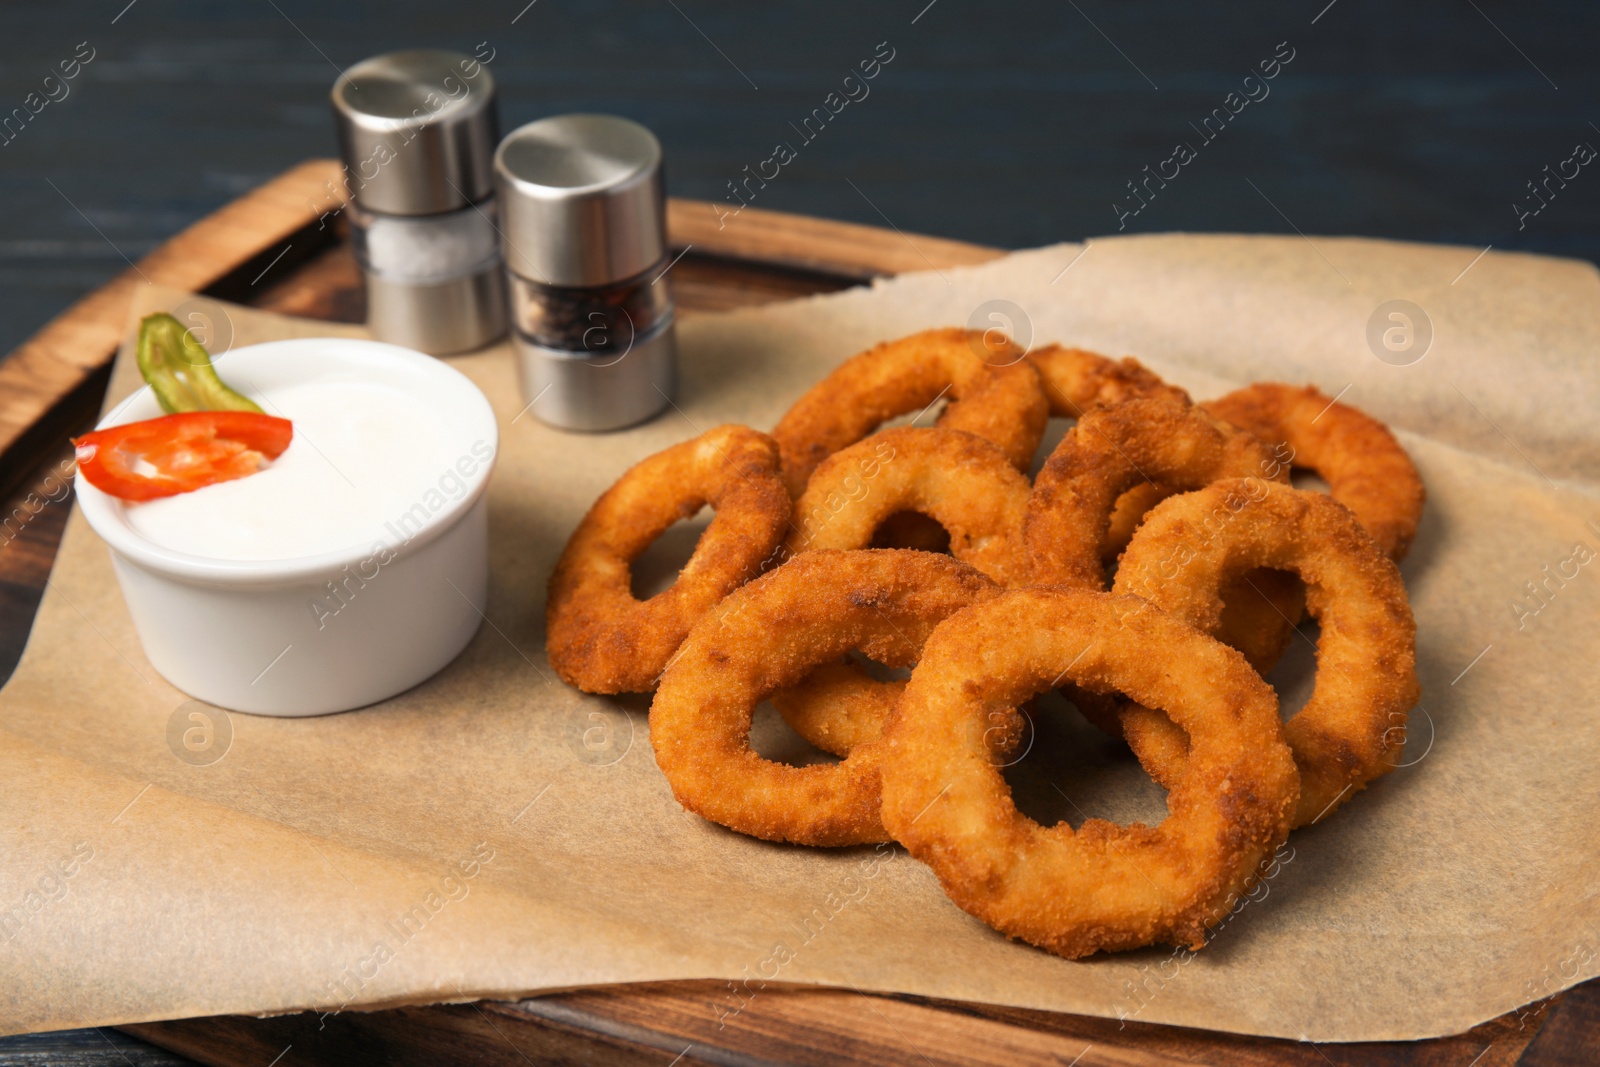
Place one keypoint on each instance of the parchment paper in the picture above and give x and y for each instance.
(495, 833)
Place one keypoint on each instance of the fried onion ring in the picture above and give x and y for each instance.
(1112, 450)
(1366, 681)
(599, 637)
(994, 393)
(1103, 886)
(961, 481)
(1128, 514)
(770, 634)
(1158, 440)
(1259, 609)
(1366, 469)
(1076, 380)
(837, 708)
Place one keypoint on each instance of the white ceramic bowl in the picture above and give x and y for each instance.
(248, 635)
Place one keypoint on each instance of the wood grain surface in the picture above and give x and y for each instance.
(813, 1028)
(664, 1023)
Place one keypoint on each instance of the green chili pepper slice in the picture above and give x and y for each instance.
(179, 370)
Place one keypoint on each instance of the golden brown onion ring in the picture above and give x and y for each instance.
(1192, 544)
(993, 392)
(1076, 380)
(961, 481)
(1366, 469)
(1111, 450)
(1103, 886)
(837, 707)
(770, 634)
(1159, 440)
(598, 636)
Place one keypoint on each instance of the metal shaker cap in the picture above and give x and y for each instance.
(417, 130)
(582, 201)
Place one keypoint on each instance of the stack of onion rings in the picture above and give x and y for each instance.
(1219, 564)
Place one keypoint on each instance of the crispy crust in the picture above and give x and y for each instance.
(1138, 450)
(838, 708)
(1111, 450)
(994, 393)
(961, 481)
(1366, 469)
(1128, 514)
(770, 634)
(601, 639)
(1102, 887)
(1354, 724)
(1076, 380)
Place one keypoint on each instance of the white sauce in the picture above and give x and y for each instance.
(364, 454)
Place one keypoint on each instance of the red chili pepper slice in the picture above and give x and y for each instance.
(180, 453)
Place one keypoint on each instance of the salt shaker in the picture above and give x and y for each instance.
(418, 130)
(585, 245)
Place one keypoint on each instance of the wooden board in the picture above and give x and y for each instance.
(273, 249)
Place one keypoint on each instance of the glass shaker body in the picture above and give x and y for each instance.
(434, 282)
(592, 321)
(596, 357)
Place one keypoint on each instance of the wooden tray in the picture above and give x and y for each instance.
(273, 249)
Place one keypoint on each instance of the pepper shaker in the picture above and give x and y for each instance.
(417, 130)
(585, 247)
